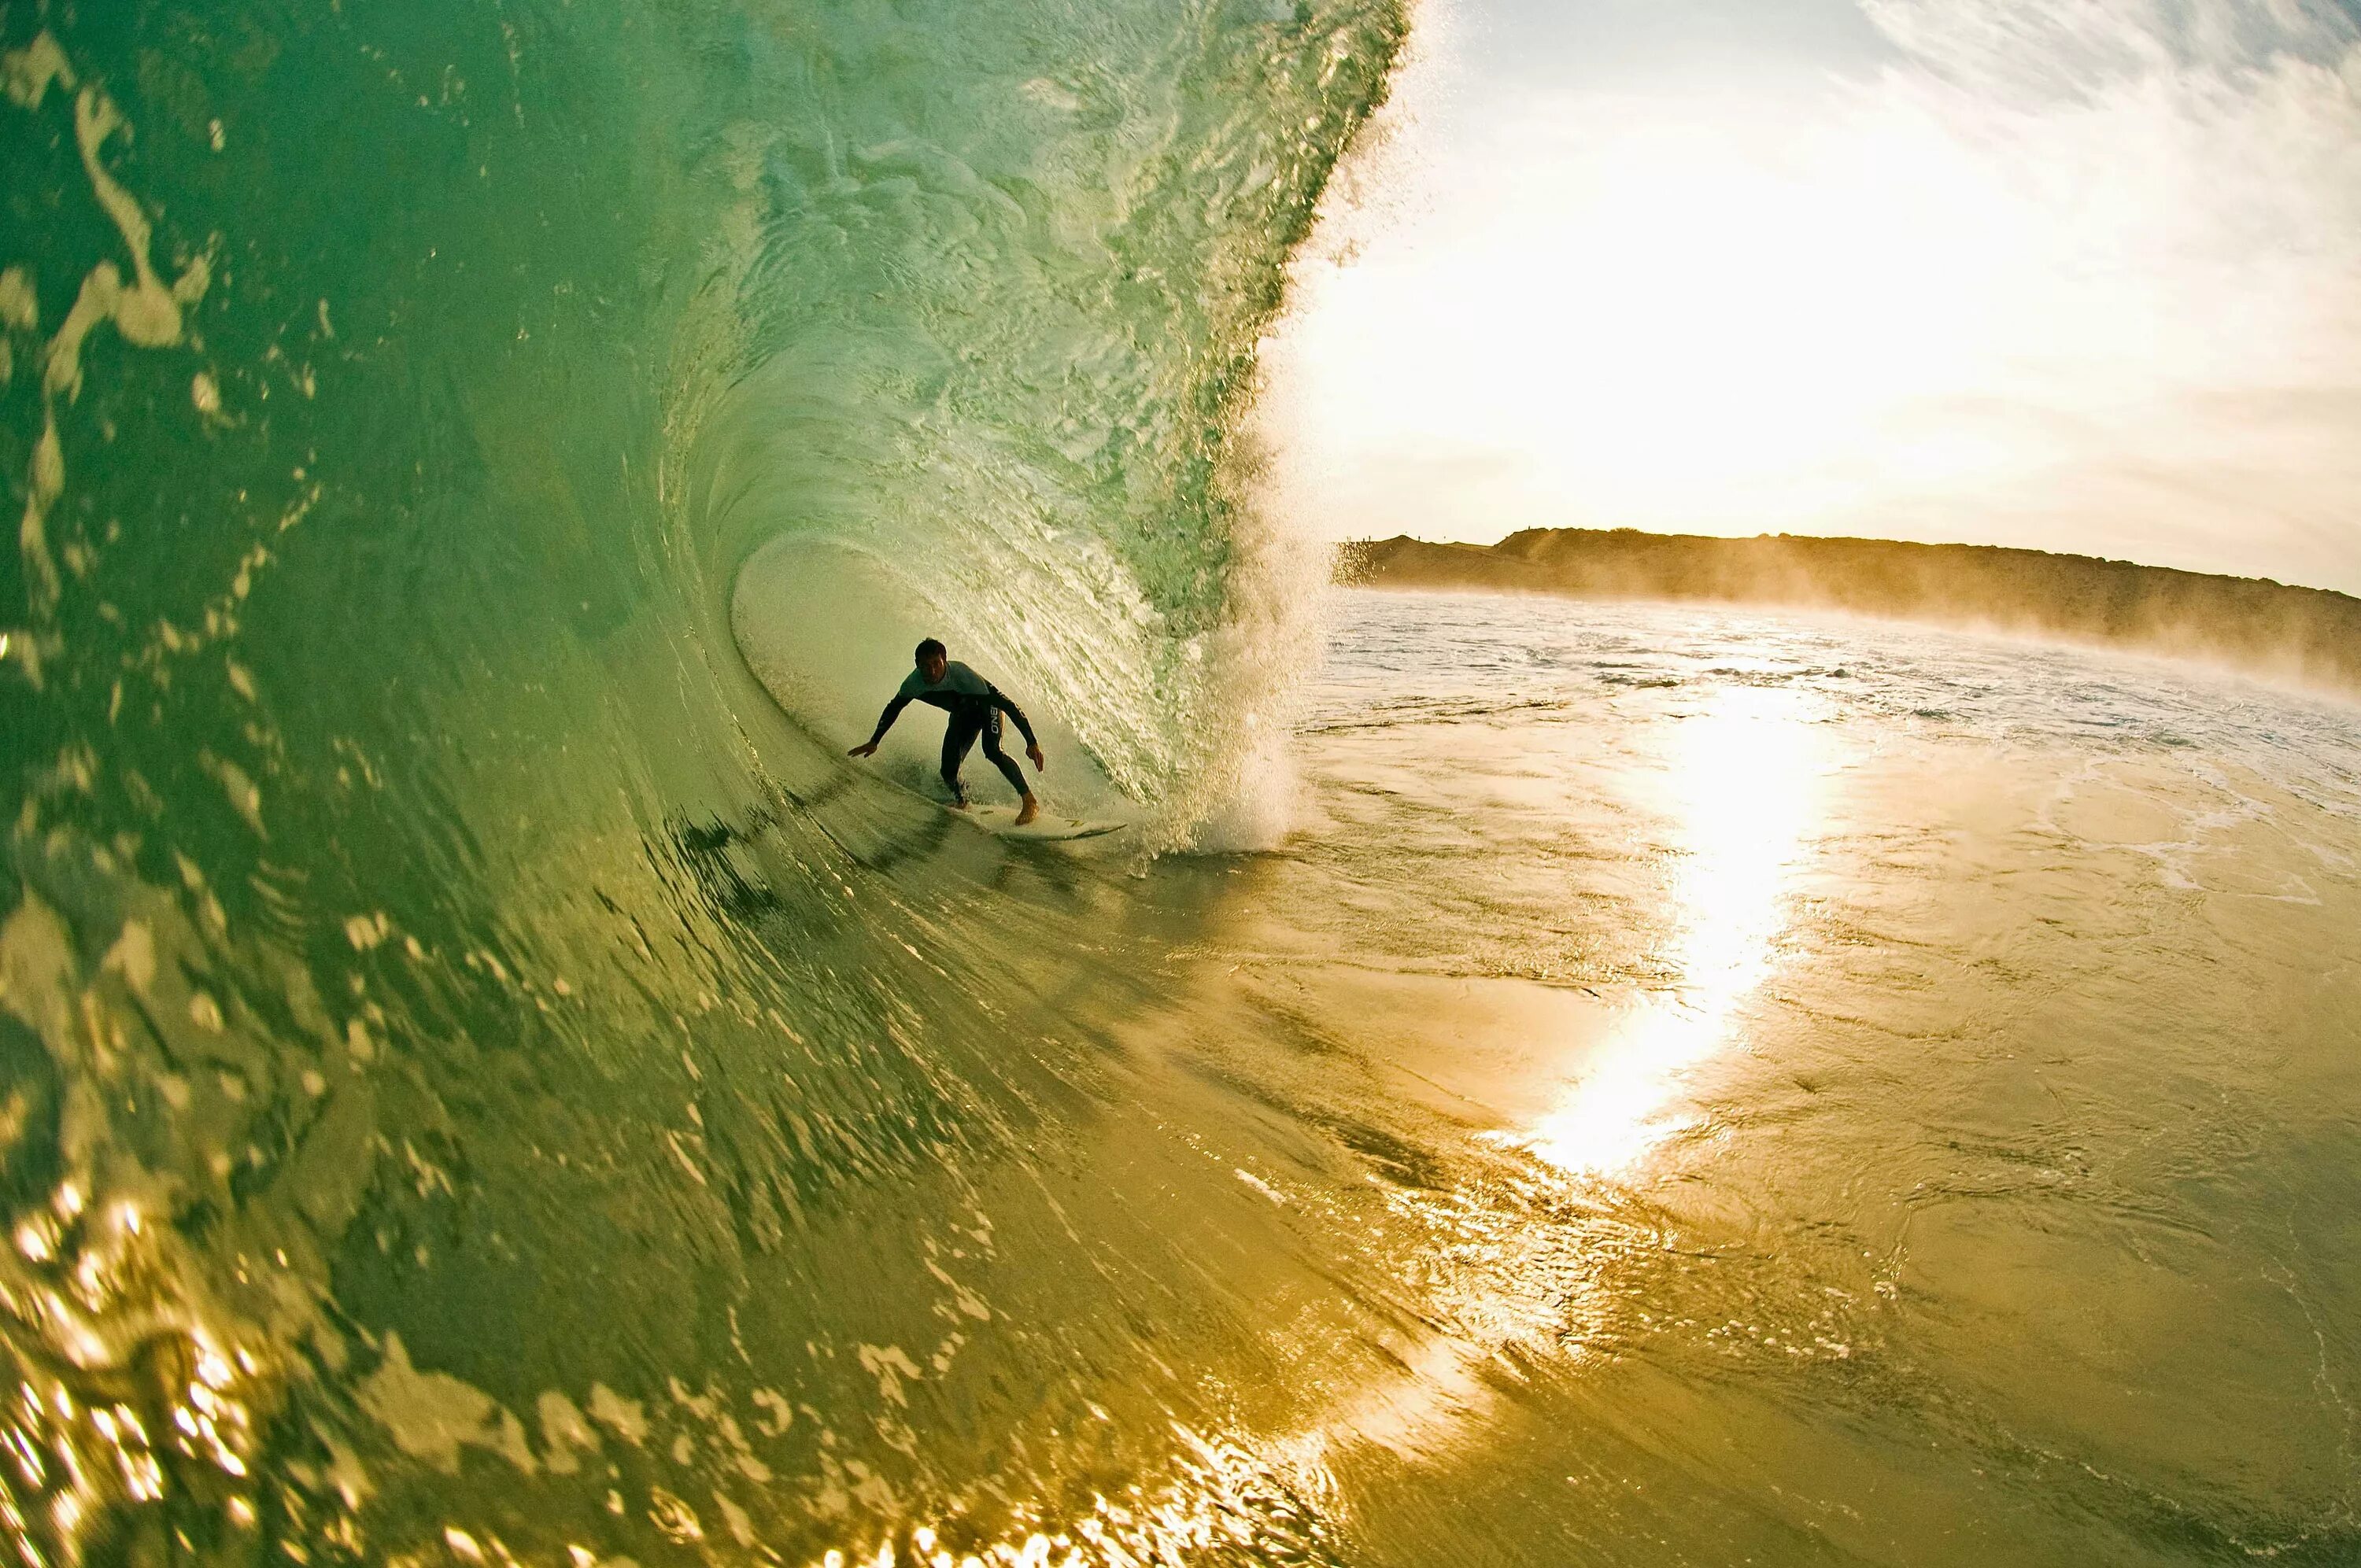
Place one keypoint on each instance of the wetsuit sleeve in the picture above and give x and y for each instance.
(892, 711)
(1000, 700)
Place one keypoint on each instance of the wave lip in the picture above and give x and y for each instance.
(1005, 345)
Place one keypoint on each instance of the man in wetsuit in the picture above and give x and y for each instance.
(975, 706)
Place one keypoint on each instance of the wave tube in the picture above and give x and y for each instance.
(473, 1077)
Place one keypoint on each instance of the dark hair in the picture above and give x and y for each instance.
(929, 649)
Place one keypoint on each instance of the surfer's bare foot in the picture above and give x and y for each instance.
(1028, 811)
(956, 804)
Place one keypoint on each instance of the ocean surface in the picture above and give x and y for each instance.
(484, 1081)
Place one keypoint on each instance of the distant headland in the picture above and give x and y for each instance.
(2307, 635)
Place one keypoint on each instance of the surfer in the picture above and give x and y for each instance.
(975, 706)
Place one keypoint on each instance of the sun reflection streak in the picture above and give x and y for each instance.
(1743, 787)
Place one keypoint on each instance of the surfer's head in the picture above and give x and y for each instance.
(933, 659)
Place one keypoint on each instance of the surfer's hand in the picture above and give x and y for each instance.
(866, 749)
(1034, 753)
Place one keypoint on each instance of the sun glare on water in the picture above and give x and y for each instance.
(1743, 786)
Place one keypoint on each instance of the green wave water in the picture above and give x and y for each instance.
(475, 1078)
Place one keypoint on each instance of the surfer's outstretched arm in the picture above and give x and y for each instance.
(885, 721)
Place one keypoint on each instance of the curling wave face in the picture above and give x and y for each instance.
(457, 1092)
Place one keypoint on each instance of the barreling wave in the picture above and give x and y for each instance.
(469, 1078)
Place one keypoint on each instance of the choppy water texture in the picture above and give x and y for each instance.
(1923, 1071)
(482, 1082)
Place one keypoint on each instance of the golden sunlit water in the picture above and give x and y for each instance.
(1741, 780)
(1788, 1069)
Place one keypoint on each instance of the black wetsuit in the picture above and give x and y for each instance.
(975, 706)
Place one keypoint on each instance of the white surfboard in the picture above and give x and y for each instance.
(1048, 826)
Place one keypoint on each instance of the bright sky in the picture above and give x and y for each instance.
(2081, 275)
